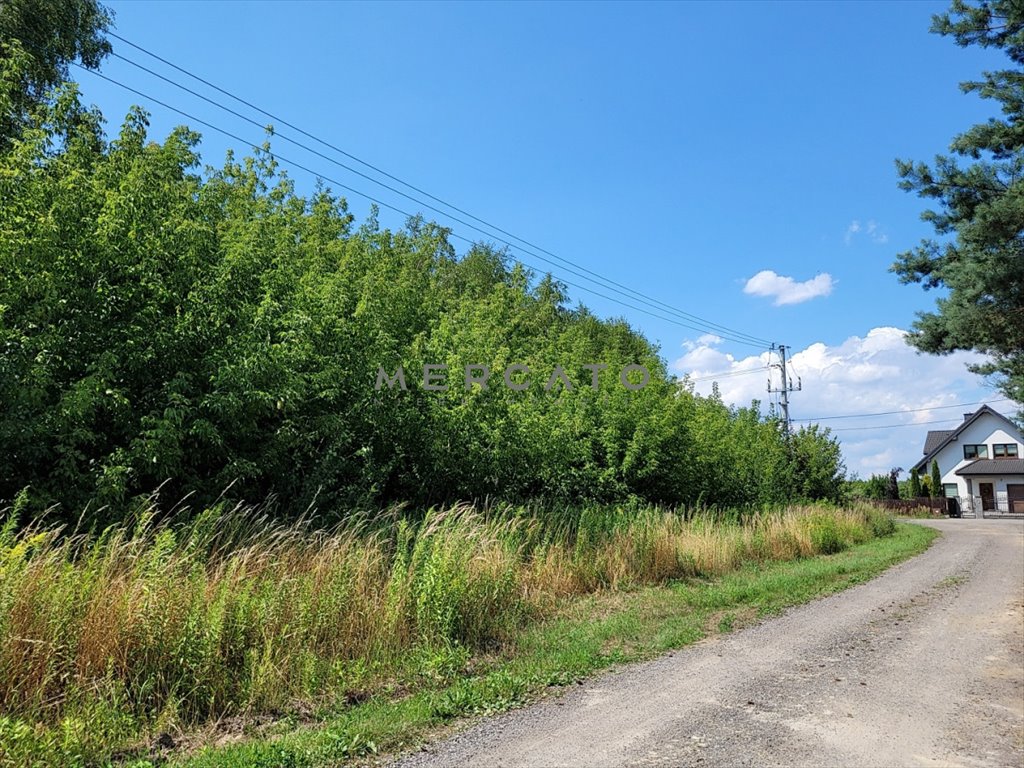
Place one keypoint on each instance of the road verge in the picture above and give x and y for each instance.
(586, 636)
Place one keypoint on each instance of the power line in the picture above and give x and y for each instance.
(606, 283)
(796, 372)
(715, 377)
(383, 204)
(734, 333)
(893, 426)
(908, 410)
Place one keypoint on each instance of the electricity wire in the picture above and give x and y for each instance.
(907, 410)
(605, 283)
(281, 158)
(893, 426)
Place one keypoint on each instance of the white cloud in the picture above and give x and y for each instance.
(876, 234)
(872, 229)
(875, 373)
(786, 290)
(707, 340)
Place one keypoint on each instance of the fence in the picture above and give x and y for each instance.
(1001, 504)
(958, 506)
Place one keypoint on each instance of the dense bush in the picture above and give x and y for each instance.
(162, 327)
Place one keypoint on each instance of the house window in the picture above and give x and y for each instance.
(949, 490)
(975, 451)
(1005, 451)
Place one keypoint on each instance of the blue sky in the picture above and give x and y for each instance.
(733, 160)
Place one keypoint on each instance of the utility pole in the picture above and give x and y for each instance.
(784, 392)
(786, 388)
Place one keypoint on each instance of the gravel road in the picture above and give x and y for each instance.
(923, 666)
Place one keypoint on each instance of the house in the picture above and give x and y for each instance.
(981, 463)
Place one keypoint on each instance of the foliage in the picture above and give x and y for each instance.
(892, 484)
(979, 194)
(166, 328)
(598, 632)
(915, 484)
(875, 487)
(926, 486)
(936, 479)
(818, 464)
(157, 624)
(38, 40)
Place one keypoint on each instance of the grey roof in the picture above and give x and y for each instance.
(993, 467)
(935, 438)
(922, 465)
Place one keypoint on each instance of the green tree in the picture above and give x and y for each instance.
(936, 481)
(162, 327)
(818, 464)
(875, 487)
(915, 484)
(892, 484)
(38, 41)
(978, 256)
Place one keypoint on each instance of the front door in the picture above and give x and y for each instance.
(988, 496)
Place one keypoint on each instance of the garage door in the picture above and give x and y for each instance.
(1015, 496)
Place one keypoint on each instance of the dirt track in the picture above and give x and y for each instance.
(923, 666)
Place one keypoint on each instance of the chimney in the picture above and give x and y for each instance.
(967, 416)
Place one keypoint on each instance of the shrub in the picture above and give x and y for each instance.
(157, 625)
(826, 536)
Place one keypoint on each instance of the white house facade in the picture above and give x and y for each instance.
(981, 463)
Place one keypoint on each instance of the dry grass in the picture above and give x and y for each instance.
(156, 624)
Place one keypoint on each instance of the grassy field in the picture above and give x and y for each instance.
(233, 642)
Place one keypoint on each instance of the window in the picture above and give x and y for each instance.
(949, 490)
(975, 451)
(1005, 451)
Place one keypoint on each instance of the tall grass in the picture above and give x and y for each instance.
(157, 624)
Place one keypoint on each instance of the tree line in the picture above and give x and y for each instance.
(168, 326)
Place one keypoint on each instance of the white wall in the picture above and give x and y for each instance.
(987, 430)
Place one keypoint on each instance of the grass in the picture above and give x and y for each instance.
(589, 635)
(921, 513)
(312, 647)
